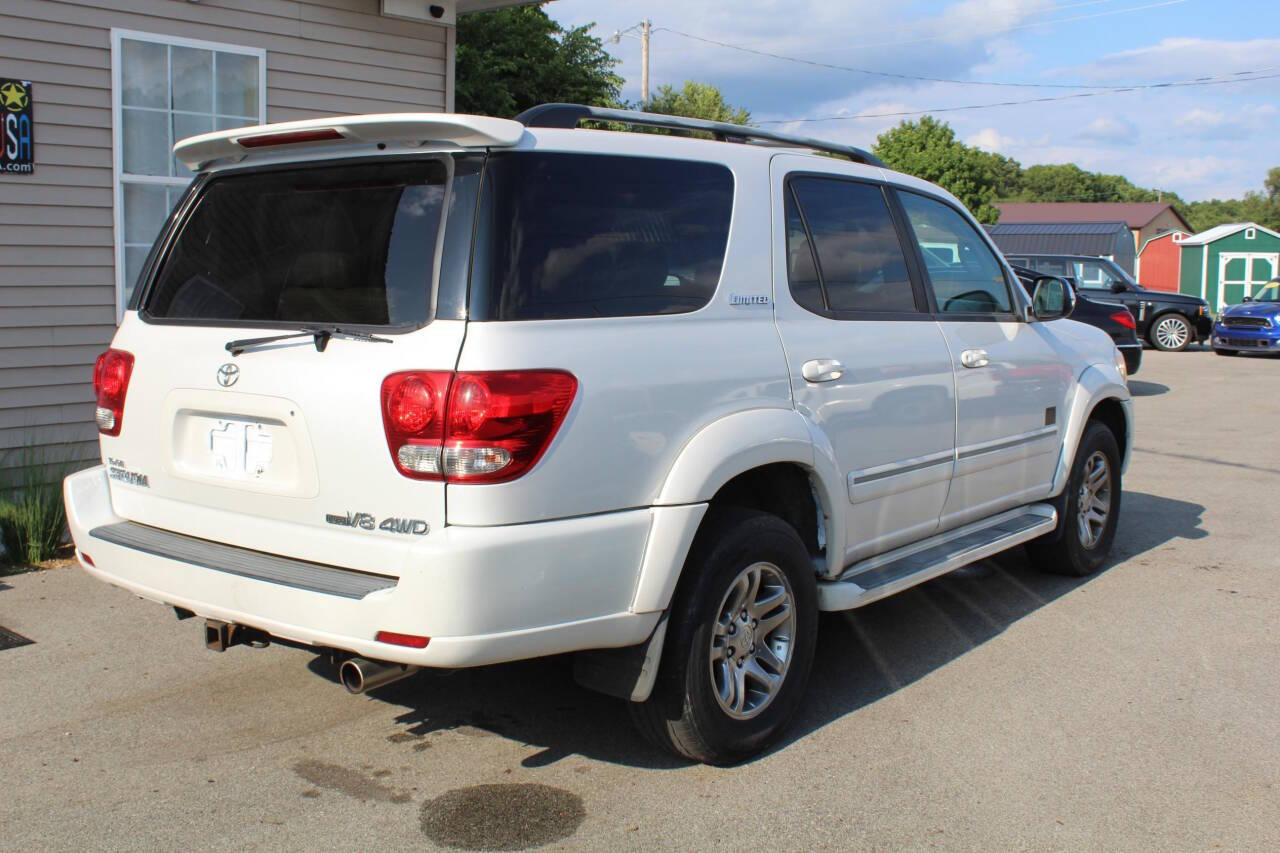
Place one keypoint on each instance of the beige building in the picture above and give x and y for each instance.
(110, 85)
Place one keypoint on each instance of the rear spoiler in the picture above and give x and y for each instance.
(464, 131)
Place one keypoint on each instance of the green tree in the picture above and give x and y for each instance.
(696, 100)
(1272, 183)
(929, 149)
(511, 59)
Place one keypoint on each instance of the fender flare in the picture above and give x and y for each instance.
(715, 455)
(1097, 383)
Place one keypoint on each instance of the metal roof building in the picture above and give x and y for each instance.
(1101, 239)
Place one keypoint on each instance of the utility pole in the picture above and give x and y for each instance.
(645, 27)
(644, 60)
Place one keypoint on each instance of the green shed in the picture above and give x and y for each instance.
(1228, 263)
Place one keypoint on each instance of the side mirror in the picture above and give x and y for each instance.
(1248, 299)
(1118, 287)
(1052, 298)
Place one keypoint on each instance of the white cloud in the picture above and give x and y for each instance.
(1109, 128)
(1229, 123)
(1178, 59)
(990, 139)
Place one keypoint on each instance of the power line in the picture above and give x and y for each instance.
(1236, 77)
(917, 77)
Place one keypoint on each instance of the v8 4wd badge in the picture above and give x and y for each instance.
(365, 521)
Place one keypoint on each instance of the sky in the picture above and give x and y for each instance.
(1202, 142)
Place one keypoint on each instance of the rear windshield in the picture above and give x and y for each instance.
(352, 244)
(582, 235)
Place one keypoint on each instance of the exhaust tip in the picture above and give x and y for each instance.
(352, 677)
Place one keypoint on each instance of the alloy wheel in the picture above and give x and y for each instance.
(1093, 503)
(1171, 333)
(751, 643)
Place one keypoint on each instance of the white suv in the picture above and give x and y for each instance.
(431, 390)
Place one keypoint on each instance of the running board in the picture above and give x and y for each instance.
(881, 576)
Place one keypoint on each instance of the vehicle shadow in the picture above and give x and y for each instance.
(863, 655)
(1138, 388)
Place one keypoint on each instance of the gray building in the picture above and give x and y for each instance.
(1101, 239)
(105, 86)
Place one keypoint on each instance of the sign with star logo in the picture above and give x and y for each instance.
(17, 128)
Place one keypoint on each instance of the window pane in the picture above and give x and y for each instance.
(193, 79)
(144, 74)
(1092, 274)
(963, 272)
(861, 259)
(580, 235)
(340, 244)
(145, 209)
(237, 85)
(146, 142)
(134, 258)
(224, 123)
(801, 273)
(184, 126)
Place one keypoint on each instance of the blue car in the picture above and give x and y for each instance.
(1251, 326)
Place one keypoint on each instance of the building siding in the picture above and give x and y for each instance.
(57, 252)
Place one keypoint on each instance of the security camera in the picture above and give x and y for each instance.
(436, 11)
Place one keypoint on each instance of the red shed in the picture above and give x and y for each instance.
(1159, 262)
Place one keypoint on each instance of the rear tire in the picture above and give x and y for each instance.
(1079, 545)
(743, 631)
(1171, 333)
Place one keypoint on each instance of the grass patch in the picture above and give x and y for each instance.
(33, 520)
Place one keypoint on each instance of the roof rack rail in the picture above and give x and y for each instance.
(567, 116)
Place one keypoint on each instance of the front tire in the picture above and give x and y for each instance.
(1171, 333)
(744, 625)
(1079, 545)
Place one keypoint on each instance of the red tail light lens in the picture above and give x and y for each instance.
(290, 137)
(413, 419)
(1124, 318)
(500, 423)
(111, 374)
(484, 427)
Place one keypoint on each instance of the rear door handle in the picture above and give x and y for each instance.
(822, 370)
(974, 358)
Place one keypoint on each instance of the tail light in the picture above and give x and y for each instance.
(484, 427)
(111, 374)
(289, 137)
(1124, 318)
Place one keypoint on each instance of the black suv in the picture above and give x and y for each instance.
(1108, 315)
(1169, 321)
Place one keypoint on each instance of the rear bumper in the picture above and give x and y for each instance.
(483, 595)
(1132, 357)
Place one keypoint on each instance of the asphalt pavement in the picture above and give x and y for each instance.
(995, 708)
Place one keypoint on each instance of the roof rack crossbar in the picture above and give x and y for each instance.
(567, 116)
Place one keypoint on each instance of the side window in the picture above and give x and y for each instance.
(1092, 274)
(1051, 266)
(967, 279)
(860, 263)
(802, 274)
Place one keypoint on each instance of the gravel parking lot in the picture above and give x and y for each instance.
(994, 708)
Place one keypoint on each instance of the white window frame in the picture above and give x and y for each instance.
(1251, 233)
(117, 132)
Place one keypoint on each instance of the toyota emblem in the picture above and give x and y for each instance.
(228, 374)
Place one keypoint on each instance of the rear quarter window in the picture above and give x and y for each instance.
(568, 236)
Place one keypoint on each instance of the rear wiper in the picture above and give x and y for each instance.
(322, 335)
